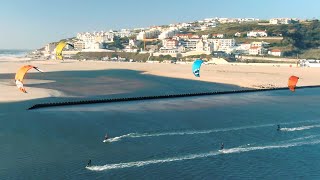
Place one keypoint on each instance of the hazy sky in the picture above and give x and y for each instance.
(31, 24)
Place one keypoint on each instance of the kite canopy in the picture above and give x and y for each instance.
(59, 49)
(293, 80)
(20, 76)
(196, 67)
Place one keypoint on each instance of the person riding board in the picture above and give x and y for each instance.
(279, 128)
(222, 146)
(89, 163)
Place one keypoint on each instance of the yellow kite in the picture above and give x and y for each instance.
(59, 49)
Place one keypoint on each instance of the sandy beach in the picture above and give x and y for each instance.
(243, 75)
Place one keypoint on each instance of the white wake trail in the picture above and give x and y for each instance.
(181, 133)
(195, 132)
(299, 128)
(240, 149)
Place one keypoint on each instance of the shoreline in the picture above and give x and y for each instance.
(245, 75)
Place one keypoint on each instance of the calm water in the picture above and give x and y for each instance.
(167, 139)
(13, 52)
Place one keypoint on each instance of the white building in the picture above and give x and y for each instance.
(244, 48)
(49, 48)
(256, 51)
(133, 43)
(149, 34)
(257, 33)
(259, 44)
(205, 36)
(94, 45)
(211, 24)
(101, 37)
(223, 44)
(79, 45)
(95, 40)
(197, 46)
(123, 33)
(170, 43)
(184, 25)
(237, 34)
(130, 49)
(132, 46)
(218, 36)
(240, 20)
(275, 52)
(280, 21)
(168, 33)
(204, 46)
(190, 44)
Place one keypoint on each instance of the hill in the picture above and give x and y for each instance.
(299, 38)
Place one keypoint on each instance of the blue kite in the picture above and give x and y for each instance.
(196, 67)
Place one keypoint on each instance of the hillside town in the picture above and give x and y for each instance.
(178, 40)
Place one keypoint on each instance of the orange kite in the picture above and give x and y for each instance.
(20, 75)
(293, 80)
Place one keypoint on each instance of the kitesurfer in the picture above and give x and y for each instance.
(21, 74)
(222, 146)
(59, 48)
(89, 163)
(106, 137)
(279, 128)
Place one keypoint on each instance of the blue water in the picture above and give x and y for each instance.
(166, 139)
(13, 52)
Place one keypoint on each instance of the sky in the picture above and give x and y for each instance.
(34, 23)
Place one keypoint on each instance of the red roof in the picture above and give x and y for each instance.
(184, 35)
(275, 50)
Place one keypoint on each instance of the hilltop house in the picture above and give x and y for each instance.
(256, 51)
(257, 33)
(275, 52)
(237, 34)
(217, 35)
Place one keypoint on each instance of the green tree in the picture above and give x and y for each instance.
(117, 43)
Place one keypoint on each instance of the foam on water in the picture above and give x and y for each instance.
(181, 133)
(132, 135)
(156, 161)
(240, 149)
(300, 128)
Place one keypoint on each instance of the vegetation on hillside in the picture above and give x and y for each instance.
(298, 38)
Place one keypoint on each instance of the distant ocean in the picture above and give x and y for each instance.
(13, 52)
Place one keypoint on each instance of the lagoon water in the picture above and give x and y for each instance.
(164, 139)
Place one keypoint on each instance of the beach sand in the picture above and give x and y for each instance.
(243, 75)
